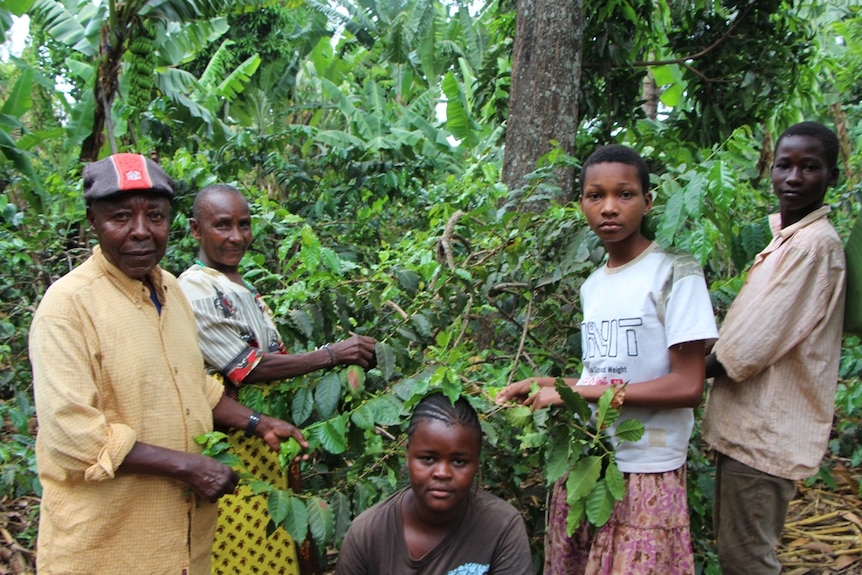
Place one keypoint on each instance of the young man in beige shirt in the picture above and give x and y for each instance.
(769, 411)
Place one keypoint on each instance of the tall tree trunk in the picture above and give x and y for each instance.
(546, 78)
(651, 95)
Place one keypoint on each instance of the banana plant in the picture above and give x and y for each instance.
(16, 105)
(200, 99)
(102, 33)
(428, 48)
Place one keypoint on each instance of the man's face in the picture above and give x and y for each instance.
(800, 176)
(223, 228)
(132, 230)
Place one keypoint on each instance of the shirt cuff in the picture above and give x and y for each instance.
(214, 391)
(243, 364)
(731, 367)
(121, 440)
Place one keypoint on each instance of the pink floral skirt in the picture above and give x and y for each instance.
(648, 532)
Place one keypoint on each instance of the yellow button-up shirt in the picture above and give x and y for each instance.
(780, 345)
(110, 370)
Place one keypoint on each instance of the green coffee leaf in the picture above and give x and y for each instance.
(615, 481)
(558, 462)
(605, 414)
(341, 512)
(332, 435)
(257, 486)
(302, 405)
(577, 512)
(629, 430)
(363, 417)
(302, 322)
(573, 401)
(386, 409)
(327, 394)
(583, 477)
(385, 359)
(320, 520)
(296, 521)
(600, 504)
(287, 451)
(278, 505)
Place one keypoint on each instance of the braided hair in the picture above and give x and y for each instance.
(438, 407)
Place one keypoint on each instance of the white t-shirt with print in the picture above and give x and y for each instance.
(632, 315)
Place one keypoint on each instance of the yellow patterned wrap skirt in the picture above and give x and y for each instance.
(241, 546)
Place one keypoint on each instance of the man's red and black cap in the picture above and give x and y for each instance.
(125, 173)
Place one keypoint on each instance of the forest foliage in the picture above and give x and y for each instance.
(368, 136)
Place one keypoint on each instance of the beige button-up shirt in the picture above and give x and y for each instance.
(109, 370)
(780, 345)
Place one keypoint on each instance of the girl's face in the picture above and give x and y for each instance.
(614, 202)
(442, 461)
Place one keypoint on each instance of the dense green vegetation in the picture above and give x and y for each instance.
(374, 215)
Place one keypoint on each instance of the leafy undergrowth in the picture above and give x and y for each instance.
(18, 524)
(823, 534)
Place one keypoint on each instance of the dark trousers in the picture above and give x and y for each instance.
(750, 509)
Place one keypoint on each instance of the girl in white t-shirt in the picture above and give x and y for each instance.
(647, 315)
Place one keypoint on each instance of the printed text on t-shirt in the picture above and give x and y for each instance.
(611, 338)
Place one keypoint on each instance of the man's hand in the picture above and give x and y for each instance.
(358, 350)
(275, 431)
(713, 366)
(230, 413)
(208, 478)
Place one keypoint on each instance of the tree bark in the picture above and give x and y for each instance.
(546, 73)
(651, 95)
(111, 50)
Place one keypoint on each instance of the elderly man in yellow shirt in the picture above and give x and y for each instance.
(121, 393)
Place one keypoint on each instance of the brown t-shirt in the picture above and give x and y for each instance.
(491, 540)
